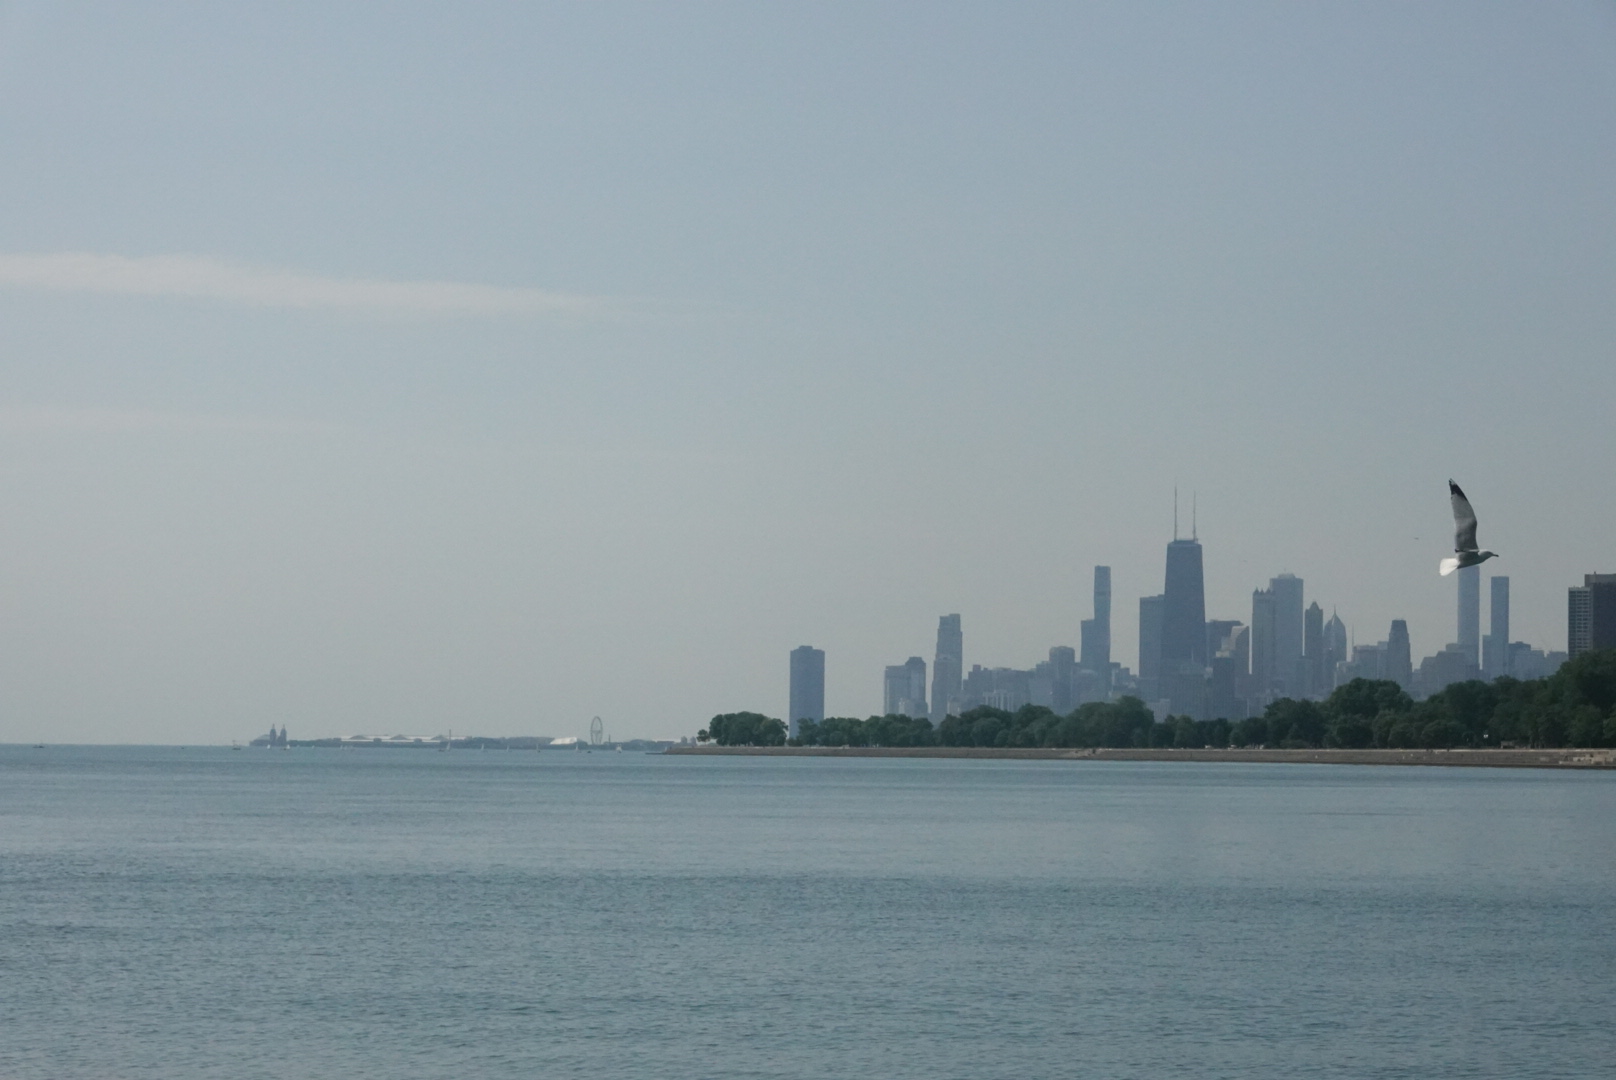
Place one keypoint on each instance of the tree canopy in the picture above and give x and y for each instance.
(744, 729)
(887, 730)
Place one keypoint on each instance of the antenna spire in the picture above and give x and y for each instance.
(1175, 512)
(1194, 498)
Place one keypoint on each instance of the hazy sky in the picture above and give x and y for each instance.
(485, 366)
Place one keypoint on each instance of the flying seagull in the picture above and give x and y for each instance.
(1464, 535)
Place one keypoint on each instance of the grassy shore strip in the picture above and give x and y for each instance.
(1496, 759)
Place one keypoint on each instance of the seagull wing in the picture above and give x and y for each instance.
(1464, 520)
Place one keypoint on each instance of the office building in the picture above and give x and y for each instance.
(807, 687)
(999, 688)
(1264, 670)
(1368, 662)
(1335, 648)
(947, 669)
(1398, 661)
(1495, 646)
(1591, 615)
(1228, 686)
(1288, 637)
(1095, 642)
(1063, 672)
(1318, 676)
(1526, 662)
(1470, 615)
(1453, 664)
(1217, 635)
(1150, 645)
(1182, 680)
(904, 689)
(1183, 636)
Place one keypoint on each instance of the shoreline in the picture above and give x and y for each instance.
(1576, 758)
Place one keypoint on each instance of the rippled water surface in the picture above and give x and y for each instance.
(186, 913)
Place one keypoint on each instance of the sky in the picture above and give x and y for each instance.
(492, 367)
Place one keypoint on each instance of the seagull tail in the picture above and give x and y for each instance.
(1447, 566)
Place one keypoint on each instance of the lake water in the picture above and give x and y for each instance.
(184, 913)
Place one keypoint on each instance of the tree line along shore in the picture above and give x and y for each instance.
(1574, 707)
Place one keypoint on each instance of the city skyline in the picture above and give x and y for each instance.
(1226, 667)
(497, 367)
(1431, 640)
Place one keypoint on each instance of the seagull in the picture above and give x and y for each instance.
(1464, 535)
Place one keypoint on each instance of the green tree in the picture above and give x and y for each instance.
(1252, 731)
(744, 729)
(1589, 682)
(1185, 735)
(1353, 712)
(1295, 723)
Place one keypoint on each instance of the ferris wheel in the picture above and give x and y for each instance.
(596, 732)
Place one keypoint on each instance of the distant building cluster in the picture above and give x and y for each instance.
(1190, 665)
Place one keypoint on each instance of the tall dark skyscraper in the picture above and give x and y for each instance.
(1150, 644)
(1184, 660)
(1335, 648)
(947, 668)
(1288, 633)
(1398, 663)
(1096, 637)
(1470, 614)
(1229, 645)
(1062, 672)
(1495, 646)
(1313, 650)
(1264, 673)
(1183, 638)
(807, 686)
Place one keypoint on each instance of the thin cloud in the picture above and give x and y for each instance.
(96, 421)
(198, 278)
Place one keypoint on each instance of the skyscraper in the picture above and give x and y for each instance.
(947, 668)
(1470, 614)
(1096, 637)
(1335, 648)
(1398, 664)
(1217, 635)
(1231, 659)
(807, 686)
(1264, 673)
(1063, 694)
(1150, 645)
(1318, 681)
(1288, 638)
(1369, 661)
(904, 689)
(1183, 638)
(1495, 646)
(1591, 622)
